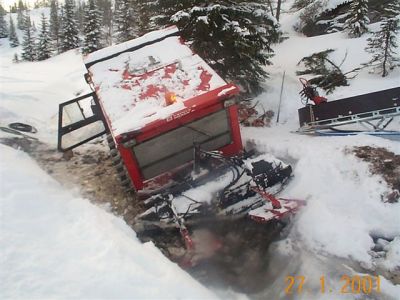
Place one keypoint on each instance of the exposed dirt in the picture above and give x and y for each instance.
(384, 163)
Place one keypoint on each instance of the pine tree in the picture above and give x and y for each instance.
(391, 10)
(92, 28)
(3, 26)
(234, 37)
(13, 8)
(124, 21)
(144, 13)
(69, 32)
(2, 10)
(21, 15)
(105, 7)
(34, 26)
(55, 25)
(14, 42)
(28, 44)
(358, 20)
(44, 43)
(327, 74)
(80, 15)
(383, 43)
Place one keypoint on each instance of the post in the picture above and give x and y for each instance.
(280, 97)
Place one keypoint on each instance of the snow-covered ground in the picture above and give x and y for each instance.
(56, 244)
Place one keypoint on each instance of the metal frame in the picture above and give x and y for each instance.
(62, 130)
(362, 118)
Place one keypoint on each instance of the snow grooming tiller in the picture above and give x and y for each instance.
(373, 111)
(220, 189)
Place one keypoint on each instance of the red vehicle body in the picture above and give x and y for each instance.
(156, 100)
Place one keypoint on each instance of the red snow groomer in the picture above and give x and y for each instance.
(172, 126)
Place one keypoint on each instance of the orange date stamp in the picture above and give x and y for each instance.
(356, 284)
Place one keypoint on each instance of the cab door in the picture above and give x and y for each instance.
(80, 120)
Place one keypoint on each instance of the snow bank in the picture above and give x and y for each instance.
(55, 244)
(344, 207)
(30, 92)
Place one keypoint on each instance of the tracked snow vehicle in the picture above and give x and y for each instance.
(172, 126)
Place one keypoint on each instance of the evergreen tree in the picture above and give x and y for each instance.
(92, 28)
(124, 21)
(327, 74)
(69, 32)
(234, 37)
(13, 8)
(3, 26)
(145, 12)
(28, 44)
(33, 25)
(44, 43)
(105, 7)
(2, 10)
(21, 15)
(358, 20)
(80, 15)
(382, 44)
(55, 25)
(13, 36)
(391, 10)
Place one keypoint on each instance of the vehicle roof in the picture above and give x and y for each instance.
(133, 79)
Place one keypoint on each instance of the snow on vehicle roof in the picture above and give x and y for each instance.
(151, 82)
(115, 49)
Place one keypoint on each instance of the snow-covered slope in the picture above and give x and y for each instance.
(31, 91)
(292, 50)
(55, 244)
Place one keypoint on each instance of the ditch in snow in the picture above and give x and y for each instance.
(249, 258)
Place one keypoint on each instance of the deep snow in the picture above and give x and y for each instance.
(55, 244)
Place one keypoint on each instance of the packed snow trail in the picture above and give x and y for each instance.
(55, 244)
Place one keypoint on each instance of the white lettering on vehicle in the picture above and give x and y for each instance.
(178, 115)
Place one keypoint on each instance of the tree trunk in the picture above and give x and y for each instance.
(278, 9)
(385, 57)
(270, 7)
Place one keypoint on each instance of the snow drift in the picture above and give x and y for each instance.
(55, 244)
